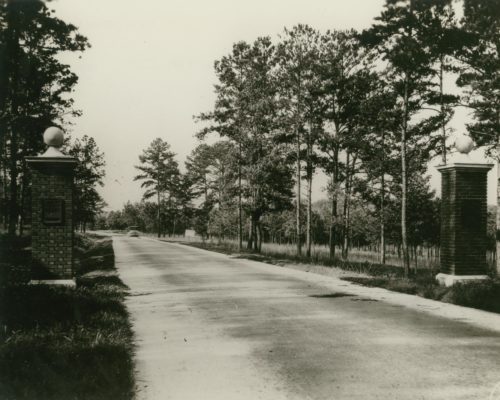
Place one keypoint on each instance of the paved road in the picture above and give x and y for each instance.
(213, 327)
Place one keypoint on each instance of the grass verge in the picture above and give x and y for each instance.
(481, 295)
(364, 267)
(66, 343)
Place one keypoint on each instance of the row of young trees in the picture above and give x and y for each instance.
(35, 93)
(367, 108)
(210, 188)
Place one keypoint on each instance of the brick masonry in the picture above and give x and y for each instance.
(52, 243)
(464, 219)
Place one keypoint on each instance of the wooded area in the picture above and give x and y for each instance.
(367, 108)
(35, 93)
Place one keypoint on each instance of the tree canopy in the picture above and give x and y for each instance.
(35, 90)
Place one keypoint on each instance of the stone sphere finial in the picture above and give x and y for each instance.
(464, 144)
(53, 137)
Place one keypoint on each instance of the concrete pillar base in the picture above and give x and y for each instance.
(58, 282)
(449, 280)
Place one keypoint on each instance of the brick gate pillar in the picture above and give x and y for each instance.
(463, 222)
(52, 212)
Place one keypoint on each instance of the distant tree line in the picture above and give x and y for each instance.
(35, 93)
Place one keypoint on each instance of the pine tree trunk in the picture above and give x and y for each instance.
(333, 221)
(250, 235)
(298, 202)
(332, 238)
(22, 200)
(13, 210)
(254, 234)
(443, 124)
(382, 204)
(416, 259)
(345, 239)
(498, 209)
(382, 221)
(259, 231)
(240, 210)
(11, 70)
(5, 185)
(159, 211)
(309, 197)
(404, 190)
(498, 197)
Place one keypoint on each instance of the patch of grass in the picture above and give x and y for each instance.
(67, 343)
(93, 253)
(15, 259)
(272, 257)
(32, 369)
(223, 247)
(26, 307)
(395, 284)
(483, 295)
(108, 282)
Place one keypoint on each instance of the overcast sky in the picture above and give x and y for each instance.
(150, 69)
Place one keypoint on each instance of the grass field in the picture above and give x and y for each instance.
(427, 258)
(63, 343)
